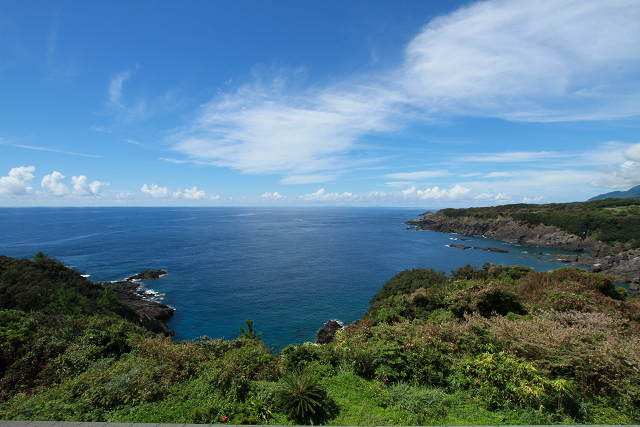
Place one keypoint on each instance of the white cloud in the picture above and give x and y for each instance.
(633, 153)
(537, 199)
(194, 194)
(529, 60)
(155, 191)
(81, 188)
(263, 129)
(16, 182)
(322, 196)
(540, 60)
(124, 195)
(457, 192)
(418, 175)
(514, 157)
(498, 174)
(52, 185)
(625, 175)
(273, 196)
(114, 93)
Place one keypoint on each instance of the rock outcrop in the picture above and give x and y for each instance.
(327, 332)
(623, 263)
(150, 314)
(147, 275)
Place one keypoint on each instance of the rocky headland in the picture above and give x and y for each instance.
(623, 263)
(150, 314)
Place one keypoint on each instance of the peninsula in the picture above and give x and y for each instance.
(605, 232)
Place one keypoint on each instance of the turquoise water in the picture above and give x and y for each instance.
(290, 269)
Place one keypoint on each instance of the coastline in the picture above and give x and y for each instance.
(622, 263)
(150, 314)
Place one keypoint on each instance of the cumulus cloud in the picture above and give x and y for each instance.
(16, 182)
(625, 175)
(435, 193)
(273, 196)
(155, 191)
(82, 188)
(193, 194)
(322, 196)
(53, 185)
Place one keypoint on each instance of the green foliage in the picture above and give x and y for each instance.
(300, 396)
(451, 352)
(408, 281)
(610, 220)
(249, 333)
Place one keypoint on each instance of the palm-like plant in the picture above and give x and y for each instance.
(300, 396)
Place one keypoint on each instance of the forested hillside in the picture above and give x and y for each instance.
(497, 345)
(611, 221)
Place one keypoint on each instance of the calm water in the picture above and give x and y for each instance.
(290, 269)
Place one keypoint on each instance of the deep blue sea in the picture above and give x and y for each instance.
(289, 269)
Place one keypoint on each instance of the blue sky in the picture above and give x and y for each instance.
(364, 103)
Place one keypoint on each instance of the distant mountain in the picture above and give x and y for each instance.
(631, 193)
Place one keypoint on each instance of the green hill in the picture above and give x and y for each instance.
(612, 221)
(631, 193)
(490, 346)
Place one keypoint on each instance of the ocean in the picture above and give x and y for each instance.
(289, 269)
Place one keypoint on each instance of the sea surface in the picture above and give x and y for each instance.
(289, 269)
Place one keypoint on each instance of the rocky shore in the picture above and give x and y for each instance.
(150, 314)
(623, 263)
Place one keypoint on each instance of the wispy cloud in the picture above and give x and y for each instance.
(267, 129)
(515, 157)
(28, 147)
(114, 92)
(529, 60)
(518, 60)
(418, 175)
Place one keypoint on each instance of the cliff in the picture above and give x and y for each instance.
(623, 263)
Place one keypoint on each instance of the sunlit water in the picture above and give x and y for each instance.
(289, 269)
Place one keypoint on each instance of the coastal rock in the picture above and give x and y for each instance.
(149, 314)
(463, 247)
(328, 331)
(147, 275)
(502, 251)
(623, 263)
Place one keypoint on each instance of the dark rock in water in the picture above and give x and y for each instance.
(502, 251)
(463, 247)
(458, 238)
(327, 332)
(147, 275)
(149, 314)
(623, 263)
(565, 258)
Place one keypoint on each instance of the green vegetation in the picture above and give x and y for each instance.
(612, 221)
(497, 345)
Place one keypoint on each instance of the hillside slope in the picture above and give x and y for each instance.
(606, 231)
